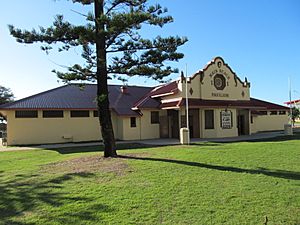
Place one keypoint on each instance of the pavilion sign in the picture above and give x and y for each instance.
(226, 119)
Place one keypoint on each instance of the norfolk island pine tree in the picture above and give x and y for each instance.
(112, 28)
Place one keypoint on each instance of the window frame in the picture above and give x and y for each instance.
(133, 122)
(263, 112)
(95, 113)
(44, 112)
(154, 117)
(73, 114)
(273, 113)
(26, 114)
(211, 125)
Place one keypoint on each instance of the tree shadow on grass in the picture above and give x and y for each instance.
(24, 194)
(291, 175)
(99, 148)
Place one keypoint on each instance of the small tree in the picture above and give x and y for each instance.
(112, 28)
(295, 114)
(6, 96)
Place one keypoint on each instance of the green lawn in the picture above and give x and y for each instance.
(208, 183)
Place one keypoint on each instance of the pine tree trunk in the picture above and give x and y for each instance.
(102, 87)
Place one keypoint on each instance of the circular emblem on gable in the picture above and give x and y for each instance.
(219, 82)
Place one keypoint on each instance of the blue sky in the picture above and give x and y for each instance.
(259, 39)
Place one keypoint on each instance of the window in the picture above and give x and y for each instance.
(251, 119)
(132, 122)
(273, 113)
(154, 117)
(282, 112)
(263, 112)
(80, 113)
(53, 114)
(95, 113)
(26, 114)
(209, 119)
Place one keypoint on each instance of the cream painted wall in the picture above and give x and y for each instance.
(131, 133)
(268, 122)
(193, 84)
(148, 130)
(234, 89)
(143, 130)
(119, 132)
(24, 131)
(218, 132)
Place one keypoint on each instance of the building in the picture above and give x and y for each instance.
(293, 103)
(219, 106)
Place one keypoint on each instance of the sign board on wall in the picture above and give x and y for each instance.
(226, 119)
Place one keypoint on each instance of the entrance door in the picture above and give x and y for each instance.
(169, 125)
(164, 126)
(173, 122)
(193, 123)
(241, 124)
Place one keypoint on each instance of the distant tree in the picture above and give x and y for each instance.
(295, 114)
(112, 28)
(6, 96)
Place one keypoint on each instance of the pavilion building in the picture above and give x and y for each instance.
(219, 106)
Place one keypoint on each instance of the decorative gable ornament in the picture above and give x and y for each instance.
(219, 82)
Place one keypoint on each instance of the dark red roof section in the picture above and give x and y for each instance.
(170, 88)
(73, 97)
(170, 104)
(268, 105)
(292, 102)
(148, 101)
(252, 104)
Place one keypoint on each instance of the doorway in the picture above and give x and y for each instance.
(243, 122)
(169, 124)
(194, 125)
(173, 123)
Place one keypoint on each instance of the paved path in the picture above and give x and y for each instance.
(158, 142)
(223, 140)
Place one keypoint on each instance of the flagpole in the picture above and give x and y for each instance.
(290, 96)
(187, 103)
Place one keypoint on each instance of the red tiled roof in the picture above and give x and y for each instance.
(167, 89)
(149, 101)
(268, 105)
(73, 97)
(174, 104)
(292, 102)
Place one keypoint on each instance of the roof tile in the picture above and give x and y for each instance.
(73, 97)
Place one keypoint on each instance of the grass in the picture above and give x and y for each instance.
(206, 183)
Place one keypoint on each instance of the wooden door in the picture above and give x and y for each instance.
(164, 126)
